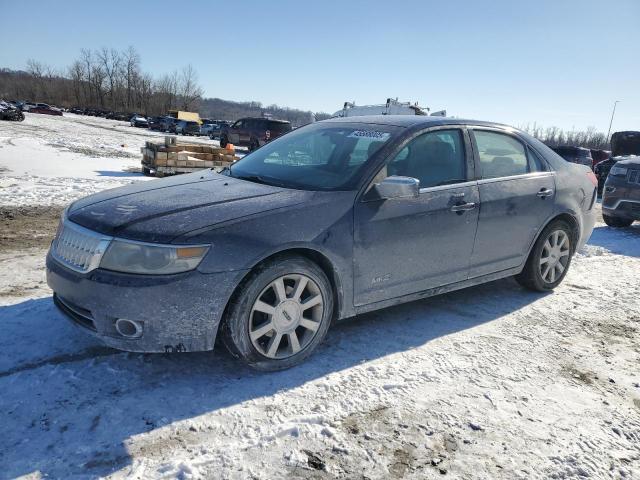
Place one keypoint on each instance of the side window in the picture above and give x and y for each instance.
(238, 124)
(434, 158)
(500, 155)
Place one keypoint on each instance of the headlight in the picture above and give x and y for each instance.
(151, 259)
(618, 171)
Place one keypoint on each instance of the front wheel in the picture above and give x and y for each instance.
(616, 222)
(280, 314)
(549, 259)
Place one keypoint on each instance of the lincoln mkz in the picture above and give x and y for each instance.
(329, 221)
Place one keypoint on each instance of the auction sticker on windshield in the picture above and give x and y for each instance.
(372, 134)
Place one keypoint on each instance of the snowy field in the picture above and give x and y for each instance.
(492, 382)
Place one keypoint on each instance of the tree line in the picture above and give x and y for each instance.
(105, 79)
(554, 136)
(113, 80)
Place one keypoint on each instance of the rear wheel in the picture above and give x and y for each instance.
(279, 315)
(549, 259)
(616, 222)
(223, 141)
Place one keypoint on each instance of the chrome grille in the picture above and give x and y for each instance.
(79, 248)
(633, 176)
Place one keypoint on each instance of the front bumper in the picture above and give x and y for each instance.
(179, 313)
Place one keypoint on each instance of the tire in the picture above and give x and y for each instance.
(288, 334)
(535, 275)
(223, 141)
(253, 145)
(616, 222)
(146, 171)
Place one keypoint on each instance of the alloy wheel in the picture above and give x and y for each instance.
(286, 316)
(555, 256)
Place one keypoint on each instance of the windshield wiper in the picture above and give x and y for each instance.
(258, 179)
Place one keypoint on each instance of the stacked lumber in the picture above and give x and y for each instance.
(185, 155)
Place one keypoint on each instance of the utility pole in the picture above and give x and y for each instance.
(612, 114)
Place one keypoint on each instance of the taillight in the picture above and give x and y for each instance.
(267, 134)
(593, 178)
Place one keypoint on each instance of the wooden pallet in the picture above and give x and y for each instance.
(170, 158)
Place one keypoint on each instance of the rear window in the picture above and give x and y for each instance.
(279, 127)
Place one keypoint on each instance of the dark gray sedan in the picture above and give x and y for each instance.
(329, 221)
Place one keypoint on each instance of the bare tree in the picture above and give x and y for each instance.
(190, 92)
(110, 63)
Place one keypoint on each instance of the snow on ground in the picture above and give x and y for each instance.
(489, 382)
(49, 160)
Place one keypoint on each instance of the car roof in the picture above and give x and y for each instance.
(266, 119)
(412, 120)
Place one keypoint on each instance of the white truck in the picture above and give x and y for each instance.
(391, 107)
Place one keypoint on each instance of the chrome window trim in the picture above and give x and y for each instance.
(482, 181)
(449, 186)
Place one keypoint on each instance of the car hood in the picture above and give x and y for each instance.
(161, 210)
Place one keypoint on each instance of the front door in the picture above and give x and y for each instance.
(406, 245)
(517, 194)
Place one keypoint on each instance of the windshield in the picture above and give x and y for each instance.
(321, 156)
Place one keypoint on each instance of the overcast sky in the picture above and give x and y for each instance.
(559, 63)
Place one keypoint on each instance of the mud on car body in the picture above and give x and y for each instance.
(334, 219)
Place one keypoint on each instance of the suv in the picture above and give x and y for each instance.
(187, 127)
(575, 155)
(253, 132)
(621, 197)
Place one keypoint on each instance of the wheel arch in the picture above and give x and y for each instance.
(315, 256)
(564, 216)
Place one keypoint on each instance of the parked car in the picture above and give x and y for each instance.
(253, 132)
(575, 154)
(45, 109)
(139, 121)
(602, 171)
(155, 123)
(77, 110)
(9, 111)
(598, 156)
(169, 124)
(214, 129)
(621, 196)
(334, 219)
(187, 127)
(122, 116)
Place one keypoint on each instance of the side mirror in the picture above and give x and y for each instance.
(397, 187)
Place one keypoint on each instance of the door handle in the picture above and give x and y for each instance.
(544, 193)
(463, 207)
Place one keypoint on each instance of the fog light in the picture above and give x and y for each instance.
(129, 328)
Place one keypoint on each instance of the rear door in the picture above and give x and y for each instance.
(517, 191)
(406, 245)
(235, 132)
